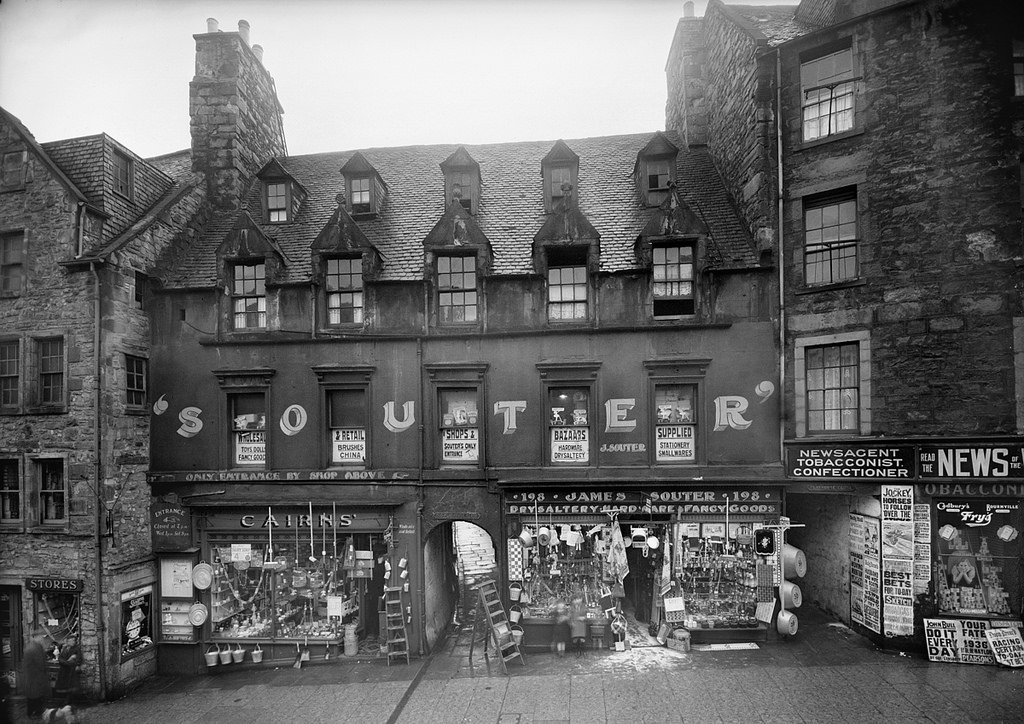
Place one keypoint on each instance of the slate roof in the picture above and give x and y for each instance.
(510, 214)
(777, 23)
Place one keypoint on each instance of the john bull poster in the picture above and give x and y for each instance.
(962, 641)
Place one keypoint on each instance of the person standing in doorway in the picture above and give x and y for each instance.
(37, 683)
(70, 659)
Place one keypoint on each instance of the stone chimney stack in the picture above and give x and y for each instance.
(235, 115)
(685, 109)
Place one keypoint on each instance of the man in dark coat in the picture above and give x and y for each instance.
(67, 677)
(35, 683)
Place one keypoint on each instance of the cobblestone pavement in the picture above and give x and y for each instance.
(825, 673)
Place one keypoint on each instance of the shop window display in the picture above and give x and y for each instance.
(460, 435)
(295, 590)
(58, 615)
(717, 575)
(568, 424)
(978, 547)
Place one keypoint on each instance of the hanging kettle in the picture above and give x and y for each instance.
(526, 538)
(544, 536)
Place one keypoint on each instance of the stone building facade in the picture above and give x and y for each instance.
(83, 222)
(894, 132)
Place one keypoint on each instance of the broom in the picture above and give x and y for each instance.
(298, 657)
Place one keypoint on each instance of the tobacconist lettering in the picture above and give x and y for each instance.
(972, 462)
(842, 461)
(976, 490)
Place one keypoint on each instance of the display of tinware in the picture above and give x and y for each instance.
(526, 538)
(544, 536)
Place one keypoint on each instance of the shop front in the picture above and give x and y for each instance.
(934, 546)
(277, 584)
(680, 556)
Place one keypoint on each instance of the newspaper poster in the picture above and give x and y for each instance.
(865, 569)
(898, 596)
(922, 548)
(1007, 646)
(958, 641)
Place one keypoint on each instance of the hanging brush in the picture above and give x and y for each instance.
(312, 555)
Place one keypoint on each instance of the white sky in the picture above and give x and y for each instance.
(436, 71)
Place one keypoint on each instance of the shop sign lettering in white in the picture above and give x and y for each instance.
(460, 445)
(392, 423)
(615, 411)
(191, 425)
(348, 445)
(508, 409)
(972, 462)
(570, 445)
(729, 411)
(293, 419)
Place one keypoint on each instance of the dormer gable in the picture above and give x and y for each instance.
(462, 179)
(246, 243)
(567, 230)
(342, 237)
(365, 190)
(655, 169)
(559, 168)
(457, 232)
(281, 195)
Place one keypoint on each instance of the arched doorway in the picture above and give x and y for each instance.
(456, 556)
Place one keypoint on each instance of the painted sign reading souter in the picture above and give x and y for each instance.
(850, 461)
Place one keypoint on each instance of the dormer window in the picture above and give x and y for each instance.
(560, 169)
(122, 175)
(656, 170)
(461, 189)
(277, 202)
(344, 283)
(658, 175)
(567, 283)
(462, 180)
(282, 194)
(672, 276)
(359, 196)
(364, 188)
(249, 296)
(456, 289)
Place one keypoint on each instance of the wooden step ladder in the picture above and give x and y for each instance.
(394, 614)
(491, 613)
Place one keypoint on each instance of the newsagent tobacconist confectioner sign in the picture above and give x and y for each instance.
(905, 462)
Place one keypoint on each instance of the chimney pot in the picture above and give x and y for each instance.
(258, 51)
(212, 25)
(688, 9)
(243, 30)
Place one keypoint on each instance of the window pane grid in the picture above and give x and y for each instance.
(10, 491)
(52, 496)
(344, 284)
(122, 174)
(250, 301)
(828, 99)
(135, 381)
(9, 374)
(833, 388)
(672, 269)
(360, 195)
(12, 268)
(51, 371)
(830, 236)
(456, 278)
(567, 293)
(277, 202)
